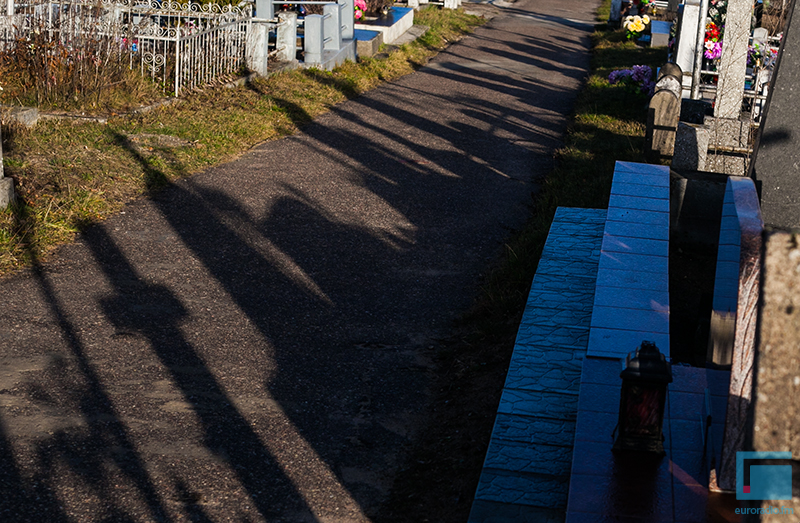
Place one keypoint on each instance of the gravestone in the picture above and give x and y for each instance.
(686, 38)
(615, 17)
(776, 394)
(733, 61)
(729, 134)
(691, 147)
(670, 68)
(663, 112)
(776, 161)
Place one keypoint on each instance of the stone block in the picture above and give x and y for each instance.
(368, 42)
(534, 431)
(632, 202)
(691, 147)
(398, 21)
(27, 116)
(635, 245)
(538, 459)
(631, 298)
(659, 31)
(728, 132)
(534, 490)
(539, 404)
(7, 194)
(695, 111)
(728, 163)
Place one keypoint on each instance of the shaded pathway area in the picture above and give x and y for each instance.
(254, 343)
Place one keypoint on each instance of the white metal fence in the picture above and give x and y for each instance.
(182, 46)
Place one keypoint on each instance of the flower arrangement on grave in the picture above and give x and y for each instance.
(761, 55)
(635, 25)
(639, 79)
(713, 41)
(360, 7)
(715, 29)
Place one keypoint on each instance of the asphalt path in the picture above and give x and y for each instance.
(253, 343)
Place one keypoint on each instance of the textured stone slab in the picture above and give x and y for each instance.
(541, 355)
(552, 299)
(553, 336)
(523, 489)
(559, 282)
(548, 375)
(638, 262)
(633, 279)
(632, 202)
(656, 180)
(579, 316)
(531, 459)
(635, 245)
(631, 319)
(638, 216)
(650, 231)
(642, 168)
(530, 430)
(642, 191)
(539, 404)
(484, 511)
(632, 298)
(614, 343)
(568, 267)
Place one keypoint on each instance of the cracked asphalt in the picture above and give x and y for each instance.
(255, 343)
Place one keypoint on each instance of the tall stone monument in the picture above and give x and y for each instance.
(776, 162)
(729, 135)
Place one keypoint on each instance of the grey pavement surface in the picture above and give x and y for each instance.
(253, 343)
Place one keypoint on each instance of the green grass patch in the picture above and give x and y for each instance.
(69, 175)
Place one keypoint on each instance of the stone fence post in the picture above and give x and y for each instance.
(286, 40)
(257, 46)
(313, 40)
(331, 28)
(7, 195)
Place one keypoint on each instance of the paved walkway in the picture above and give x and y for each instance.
(252, 344)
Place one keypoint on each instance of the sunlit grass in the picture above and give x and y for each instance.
(69, 175)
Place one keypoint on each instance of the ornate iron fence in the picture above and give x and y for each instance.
(181, 46)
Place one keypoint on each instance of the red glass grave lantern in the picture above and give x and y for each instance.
(641, 403)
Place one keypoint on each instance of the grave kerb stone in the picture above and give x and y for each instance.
(748, 215)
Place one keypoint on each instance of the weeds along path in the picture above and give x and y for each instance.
(259, 342)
